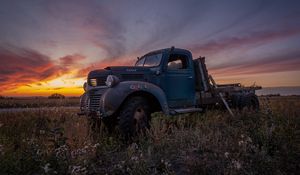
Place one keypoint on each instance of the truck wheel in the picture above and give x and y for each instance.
(253, 103)
(134, 117)
(250, 102)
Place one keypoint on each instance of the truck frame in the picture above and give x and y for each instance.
(167, 80)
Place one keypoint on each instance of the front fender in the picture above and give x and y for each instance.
(113, 97)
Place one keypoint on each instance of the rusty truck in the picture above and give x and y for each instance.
(167, 80)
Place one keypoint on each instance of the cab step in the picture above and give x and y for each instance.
(185, 110)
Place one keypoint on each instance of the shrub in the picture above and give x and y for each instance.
(56, 96)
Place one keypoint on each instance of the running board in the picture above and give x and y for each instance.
(185, 110)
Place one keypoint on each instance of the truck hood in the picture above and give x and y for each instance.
(119, 71)
(127, 69)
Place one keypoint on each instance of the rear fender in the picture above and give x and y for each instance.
(113, 98)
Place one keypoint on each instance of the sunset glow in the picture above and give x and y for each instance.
(50, 46)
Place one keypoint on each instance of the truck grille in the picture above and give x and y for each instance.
(94, 102)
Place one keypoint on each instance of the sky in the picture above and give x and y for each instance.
(49, 46)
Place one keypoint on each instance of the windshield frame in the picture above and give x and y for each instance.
(144, 59)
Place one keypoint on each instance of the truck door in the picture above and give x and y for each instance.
(178, 81)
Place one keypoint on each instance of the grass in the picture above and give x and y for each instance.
(59, 142)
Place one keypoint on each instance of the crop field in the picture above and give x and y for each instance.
(57, 141)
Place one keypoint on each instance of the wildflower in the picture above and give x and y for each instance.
(241, 143)
(42, 131)
(167, 164)
(61, 151)
(78, 152)
(237, 164)
(134, 158)
(134, 146)
(96, 145)
(249, 140)
(78, 170)
(46, 168)
(39, 152)
(226, 154)
(119, 166)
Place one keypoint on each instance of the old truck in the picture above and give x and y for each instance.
(167, 80)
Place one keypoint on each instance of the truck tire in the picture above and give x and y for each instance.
(253, 103)
(134, 117)
(249, 102)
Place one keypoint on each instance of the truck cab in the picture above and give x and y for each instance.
(174, 74)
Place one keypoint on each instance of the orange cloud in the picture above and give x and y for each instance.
(21, 67)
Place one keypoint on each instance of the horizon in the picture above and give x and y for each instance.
(49, 47)
(281, 90)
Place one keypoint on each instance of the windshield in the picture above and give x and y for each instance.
(149, 60)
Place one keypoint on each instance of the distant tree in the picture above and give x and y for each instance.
(2, 97)
(273, 95)
(56, 96)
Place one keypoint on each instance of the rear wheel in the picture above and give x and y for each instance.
(249, 102)
(134, 117)
(253, 103)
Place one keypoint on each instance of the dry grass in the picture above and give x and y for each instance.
(58, 142)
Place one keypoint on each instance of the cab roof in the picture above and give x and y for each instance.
(169, 50)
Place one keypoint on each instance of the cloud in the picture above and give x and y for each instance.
(252, 38)
(122, 61)
(280, 63)
(71, 60)
(22, 66)
(96, 22)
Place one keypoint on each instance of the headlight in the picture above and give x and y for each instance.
(112, 80)
(85, 86)
(93, 82)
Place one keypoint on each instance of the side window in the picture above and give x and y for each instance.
(177, 61)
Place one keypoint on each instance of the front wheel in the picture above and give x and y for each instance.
(134, 117)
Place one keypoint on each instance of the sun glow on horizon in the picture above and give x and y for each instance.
(66, 85)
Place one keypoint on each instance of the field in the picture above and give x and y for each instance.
(30, 102)
(57, 141)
